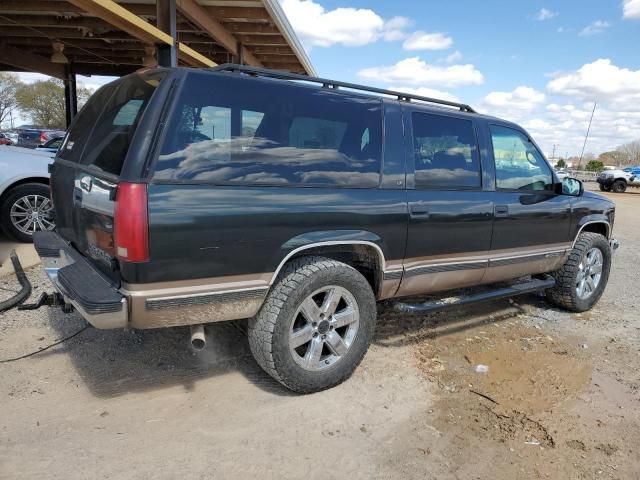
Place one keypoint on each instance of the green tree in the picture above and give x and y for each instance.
(594, 166)
(561, 163)
(43, 102)
(8, 85)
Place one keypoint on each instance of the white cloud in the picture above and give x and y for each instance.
(414, 71)
(427, 41)
(350, 27)
(394, 29)
(521, 98)
(545, 14)
(595, 27)
(453, 58)
(601, 80)
(631, 9)
(427, 92)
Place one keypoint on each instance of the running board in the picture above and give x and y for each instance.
(533, 285)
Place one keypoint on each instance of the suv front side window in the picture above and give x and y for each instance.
(519, 164)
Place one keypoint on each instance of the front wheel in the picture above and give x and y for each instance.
(619, 186)
(604, 189)
(315, 325)
(582, 279)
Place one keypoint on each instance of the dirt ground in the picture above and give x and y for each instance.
(509, 390)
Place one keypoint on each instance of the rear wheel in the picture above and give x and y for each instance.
(582, 279)
(605, 188)
(26, 209)
(315, 326)
(619, 186)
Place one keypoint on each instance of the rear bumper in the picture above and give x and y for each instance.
(81, 285)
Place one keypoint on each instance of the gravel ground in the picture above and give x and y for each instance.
(560, 398)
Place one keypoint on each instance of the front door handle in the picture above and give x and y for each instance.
(419, 209)
(501, 210)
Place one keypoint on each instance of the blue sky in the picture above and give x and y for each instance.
(542, 64)
(539, 63)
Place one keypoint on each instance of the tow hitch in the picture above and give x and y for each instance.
(49, 300)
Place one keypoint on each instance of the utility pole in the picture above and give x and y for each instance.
(587, 135)
(553, 154)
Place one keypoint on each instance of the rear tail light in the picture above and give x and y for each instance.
(130, 223)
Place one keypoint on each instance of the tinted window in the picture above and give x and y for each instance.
(519, 164)
(229, 129)
(446, 154)
(102, 132)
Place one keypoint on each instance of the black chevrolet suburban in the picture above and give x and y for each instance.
(186, 196)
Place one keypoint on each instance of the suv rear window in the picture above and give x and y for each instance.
(234, 130)
(102, 132)
(445, 152)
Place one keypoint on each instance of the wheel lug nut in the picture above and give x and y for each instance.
(315, 334)
(324, 336)
(314, 324)
(326, 362)
(331, 327)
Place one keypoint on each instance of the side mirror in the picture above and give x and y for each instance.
(572, 186)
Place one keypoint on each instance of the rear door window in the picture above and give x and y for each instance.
(446, 153)
(101, 135)
(232, 130)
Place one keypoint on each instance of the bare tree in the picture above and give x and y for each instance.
(632, 151)
(8, 85)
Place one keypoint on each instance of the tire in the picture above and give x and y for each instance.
(14, 199)
(285, 321)
(566, 292)
(605, 188)
(619, 186)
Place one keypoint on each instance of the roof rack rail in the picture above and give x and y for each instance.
(326, 83)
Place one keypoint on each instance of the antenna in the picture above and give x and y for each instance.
(587, 135)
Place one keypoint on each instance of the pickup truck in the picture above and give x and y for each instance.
(190, 196)
(617, 180)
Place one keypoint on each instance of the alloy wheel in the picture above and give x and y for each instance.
(324, 328)
(32, 213)
(589, 273)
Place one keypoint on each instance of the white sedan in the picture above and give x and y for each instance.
(25, 204)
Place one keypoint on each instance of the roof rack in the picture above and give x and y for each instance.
(326, 83)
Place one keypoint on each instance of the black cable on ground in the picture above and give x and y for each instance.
(25, 289)
(45, 348)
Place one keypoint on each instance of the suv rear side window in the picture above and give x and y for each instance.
(102, 133)
(446, 155)
(519, 164)
(234, 130)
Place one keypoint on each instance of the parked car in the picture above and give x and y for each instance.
(185, 196)
(51, 146)
(634, 170)
(5, 139)
(617, 181)
(32, 137)
(561, 174)
(25, 205)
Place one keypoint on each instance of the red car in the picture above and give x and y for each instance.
(4, 140)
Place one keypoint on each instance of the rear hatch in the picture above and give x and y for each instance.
(87, 168)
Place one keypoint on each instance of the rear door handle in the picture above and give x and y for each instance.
(501, 211)
(419, 209)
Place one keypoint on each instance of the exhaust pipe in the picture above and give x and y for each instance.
(198, 339)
